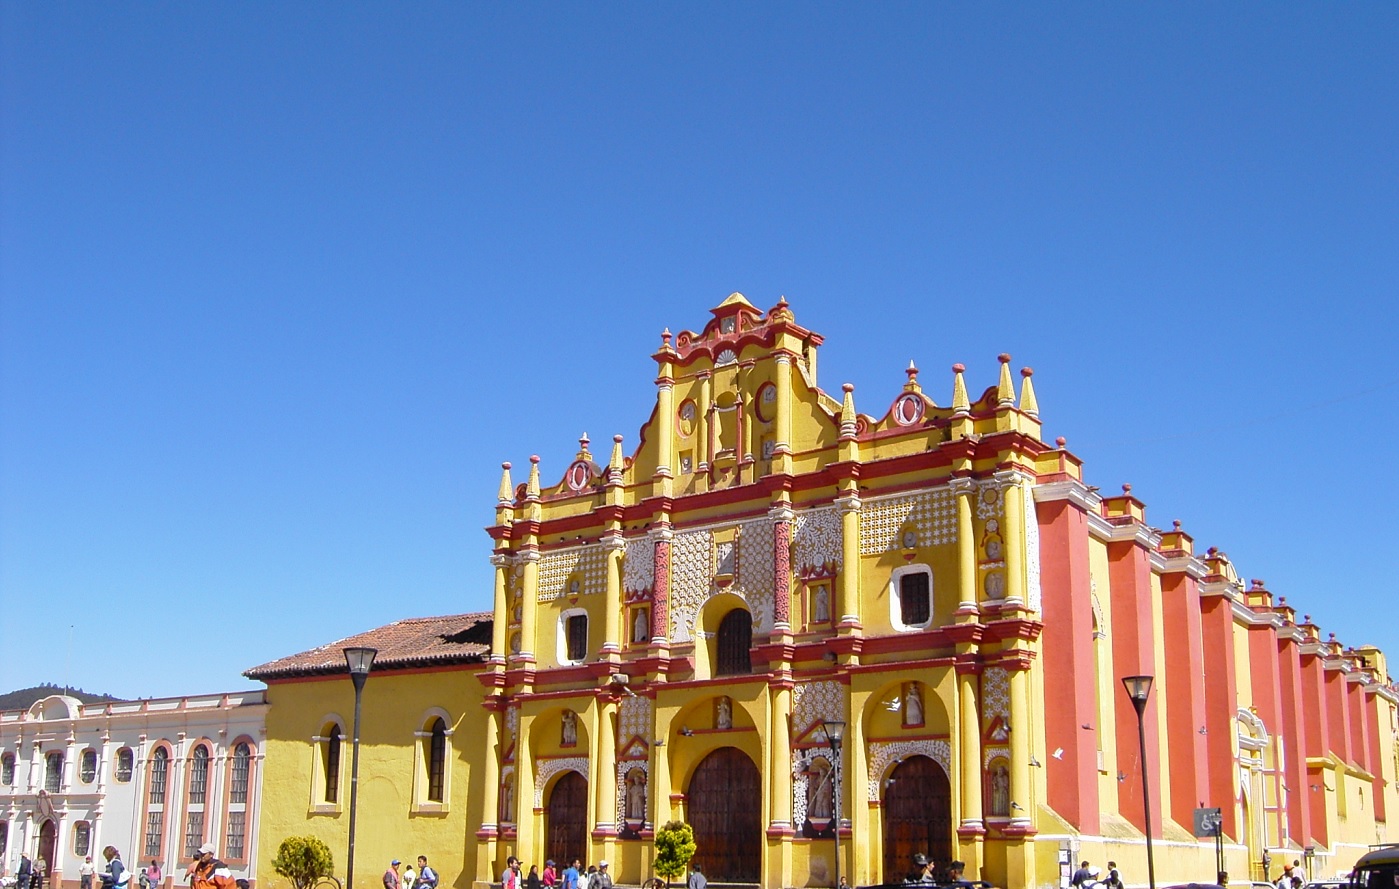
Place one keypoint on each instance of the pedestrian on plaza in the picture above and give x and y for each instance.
(1222, 878)
(207, 872)
(85, 873)
(551, 874)
(1114, 880)
(410, 876)
(427, 877)
(697, 880)
(1284, 881)
(954, 874)
(602, 879)
(570, 874)
(391, 878)
(1082, 876)
(41, 870)
(510, 879)
(922, 873)
(154, 876)
(117, 876)
(25, 872)
(532, 878)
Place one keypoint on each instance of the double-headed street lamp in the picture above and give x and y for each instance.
(1139, 689)
(835, 735)
(360, 660)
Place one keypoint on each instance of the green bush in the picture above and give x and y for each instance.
(675, 846)
(303, 860)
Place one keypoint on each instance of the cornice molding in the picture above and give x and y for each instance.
(1076, 492)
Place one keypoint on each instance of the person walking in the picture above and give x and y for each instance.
(551, 874)
(427, 877)
(1114, 878)
(602, 879)
(510, 879)
(410, 876)
(117, 876)
(697, 880)
(1082, 876)
(207, 872)
(391, 878)
(570, 874)
(532, 878)
(154, 876)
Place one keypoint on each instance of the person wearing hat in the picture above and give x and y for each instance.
(207, 872)
(602, 879)
(391, 878)
(1285, 881)
(551, 874)
(922, 873)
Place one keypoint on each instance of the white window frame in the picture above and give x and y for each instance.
(318, 804)
(896, 602)
(422, 738)
(562, 637)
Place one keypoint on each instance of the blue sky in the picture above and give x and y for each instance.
(281, 285)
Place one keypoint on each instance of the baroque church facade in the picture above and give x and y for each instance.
(679, 631)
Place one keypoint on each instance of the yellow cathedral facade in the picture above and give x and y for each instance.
(829, 640)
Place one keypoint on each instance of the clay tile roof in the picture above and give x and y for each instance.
(412, 642)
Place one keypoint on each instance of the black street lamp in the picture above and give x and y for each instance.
(360, 660)
(1139, 689)
(835, 736)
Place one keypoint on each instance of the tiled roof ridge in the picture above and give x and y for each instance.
(416, 642)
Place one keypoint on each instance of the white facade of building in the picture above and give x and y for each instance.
(154, 778)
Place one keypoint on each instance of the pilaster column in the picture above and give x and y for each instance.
(501, 622)
(782, 434)
(849, 506)
(490, 774)
(529, 560)
(780, 762)
(660, 588)
(704, 450)
(604, 772)
(964, 489)
(781, 516)
(615, 547)
(969, 734)
(665, 425)
(1014, 530)
(1021, 791)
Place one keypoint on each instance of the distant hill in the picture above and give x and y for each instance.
(24, 698)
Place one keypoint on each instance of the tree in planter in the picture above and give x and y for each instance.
(303, 860)
(675, 846)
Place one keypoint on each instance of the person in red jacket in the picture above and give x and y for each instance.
(207, 872)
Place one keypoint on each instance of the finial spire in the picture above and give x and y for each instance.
(615, 463)
(532, 486)
(847, 412)
(507, 489)
(1028, 403)
(1005, 389)
(912, 384)
(583, 441)
(961, 404)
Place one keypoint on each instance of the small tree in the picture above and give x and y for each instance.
(675, 846)
(303, 860)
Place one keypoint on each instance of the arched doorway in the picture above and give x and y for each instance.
(917, 816)
(566, 820)
(725, 804)
(48, 840)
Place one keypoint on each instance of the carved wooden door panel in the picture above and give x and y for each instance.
(566, 822)
(724, 802)
(917, 817)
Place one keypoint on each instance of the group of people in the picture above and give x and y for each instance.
(927, 873)
(1292, 876)
(1091, 877)
(424, 877)
(573, 876)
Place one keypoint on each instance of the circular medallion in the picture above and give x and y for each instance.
(685, 419)
(766, 404)
(579, 475)
(910, 539)
(908, 409)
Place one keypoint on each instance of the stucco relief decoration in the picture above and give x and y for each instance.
(995, 695)
(556, 566)
(932, 514)
(814, 702)
(989, 500)
(816, 545)
(634, 720)
(691, 554)
(548, 768)
(754, 581)
(639, 566)
(991, 752)
(633, 783)
(882, 755)
(1032, 551)
(802, 761)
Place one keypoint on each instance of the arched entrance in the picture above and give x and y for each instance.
(566, 820)
(917, 816)
(725, 803)
(48, 840)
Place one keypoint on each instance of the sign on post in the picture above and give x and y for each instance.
(1208, 822)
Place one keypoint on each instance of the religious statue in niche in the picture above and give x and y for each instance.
(723, 713)
(913, 705)
(636, 796)
(995, 585)
(821, 604)
(1000, 790)
(570, 729)
(992, 544)
(819, 788)
(507, 799)
(573, 588)
(640, 626)
(515, 643)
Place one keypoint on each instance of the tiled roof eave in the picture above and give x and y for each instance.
(395, 663)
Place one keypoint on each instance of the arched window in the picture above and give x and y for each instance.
(236, 823)
(7, 769)
(160, 770)
(126, 764)
(437, 760)
(82, 838)
(155, 802)
(198, 793)
(242, 759)
(735, 641)
(331, 762)
(87, 767)
(53, 775)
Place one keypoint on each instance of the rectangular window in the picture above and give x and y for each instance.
(578, 637)
(154, 827)
(82, 838)
(915, 606)
(233, 846)
(332, 766)
(53, 777)
(194, 834)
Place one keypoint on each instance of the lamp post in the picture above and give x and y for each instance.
(835, 736)
(1139, 689)
(360, 660)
